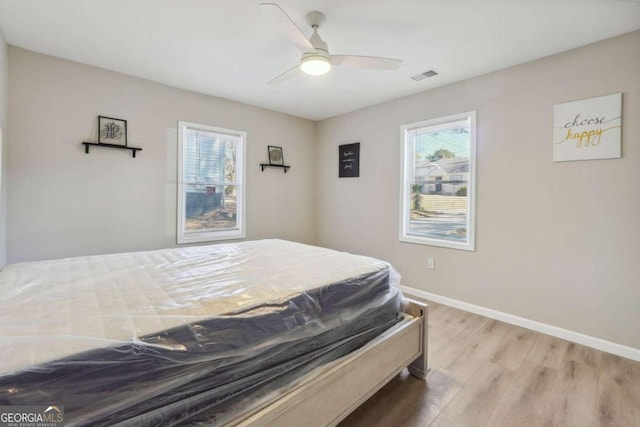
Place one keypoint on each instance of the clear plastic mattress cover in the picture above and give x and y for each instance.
(51, 311)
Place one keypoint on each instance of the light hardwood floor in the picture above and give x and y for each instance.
(488, 373)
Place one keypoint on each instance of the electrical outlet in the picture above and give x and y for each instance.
(431, 263)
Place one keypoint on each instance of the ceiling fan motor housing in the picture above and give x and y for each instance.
(317, 62)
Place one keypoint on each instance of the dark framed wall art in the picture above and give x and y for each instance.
(275, 155)
(349, 160)
(112, 131)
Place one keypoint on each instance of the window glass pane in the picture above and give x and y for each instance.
(210, 207)
(441, 175)
(230, 162)
(438, 187)
(211, 190)
(209, 157)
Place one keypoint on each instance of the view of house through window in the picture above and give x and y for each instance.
(210, 187)
(438, 182)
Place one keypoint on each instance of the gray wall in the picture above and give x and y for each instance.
(4, 100)
(63, 202)
(558, 243)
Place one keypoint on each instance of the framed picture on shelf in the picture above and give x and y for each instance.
(275, 155)
(112, 131)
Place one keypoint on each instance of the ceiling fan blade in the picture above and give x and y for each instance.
(285, 76)
(373, 62)
(288, 27)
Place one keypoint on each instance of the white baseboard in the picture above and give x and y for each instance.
(589, 341)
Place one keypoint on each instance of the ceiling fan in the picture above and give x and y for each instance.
(316, 59)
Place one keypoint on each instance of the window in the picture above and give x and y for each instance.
(438, 182)
(210, 183)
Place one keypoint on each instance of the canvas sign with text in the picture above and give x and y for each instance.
(588, 129)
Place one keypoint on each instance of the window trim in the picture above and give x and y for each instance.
(209, 236)
(406, 158)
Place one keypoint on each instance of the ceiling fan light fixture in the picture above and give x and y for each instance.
(315, 65)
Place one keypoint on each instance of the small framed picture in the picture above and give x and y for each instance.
(275, 155)
(112, 131)
(349, 160)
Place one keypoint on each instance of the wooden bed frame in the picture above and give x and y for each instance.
(333, 391)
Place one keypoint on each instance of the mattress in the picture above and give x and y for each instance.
(158, 337)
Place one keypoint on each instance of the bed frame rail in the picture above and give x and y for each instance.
(346, 383)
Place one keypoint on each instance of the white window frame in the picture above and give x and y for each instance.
(206, 236)
(406, 167)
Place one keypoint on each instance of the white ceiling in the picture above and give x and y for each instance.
(230, 49)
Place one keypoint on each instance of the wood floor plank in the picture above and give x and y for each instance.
(444, 420)
(464, 356)
(513, 350)
(572, 397)
(455, 322)
(583, 354)
(548, 351)
(618, 397)
(447, 338)
(477, 400)
(441, 314)
(523, 402)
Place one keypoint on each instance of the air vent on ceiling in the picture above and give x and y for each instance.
(424, 75)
